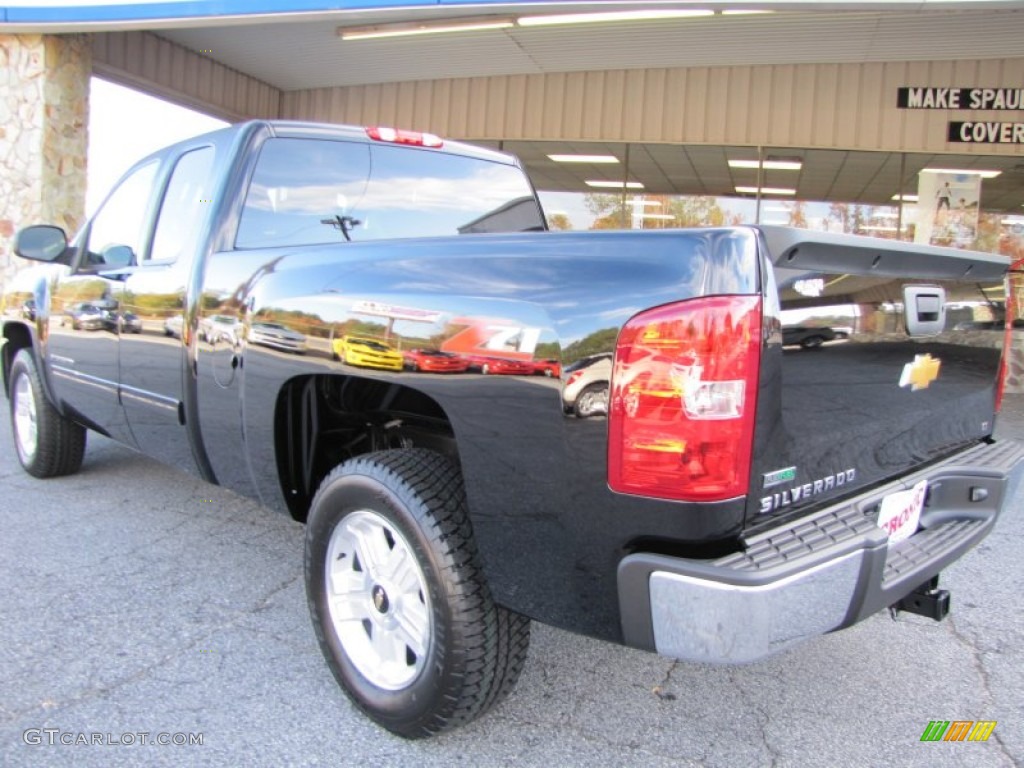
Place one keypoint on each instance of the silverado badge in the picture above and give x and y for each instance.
(920, 373)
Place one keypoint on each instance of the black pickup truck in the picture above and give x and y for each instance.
(733, 497)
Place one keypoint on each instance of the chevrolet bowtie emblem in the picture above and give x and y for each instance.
(920, 373)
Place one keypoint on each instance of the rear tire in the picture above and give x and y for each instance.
(398, 599)
(47, 443)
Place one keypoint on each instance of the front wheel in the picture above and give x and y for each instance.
(398, 600)
(47, 443)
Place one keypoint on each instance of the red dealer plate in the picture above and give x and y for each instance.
(900, 512)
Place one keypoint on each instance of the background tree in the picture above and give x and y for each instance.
(693, 211)
(559, 221)
(798, 215)
(851, 218)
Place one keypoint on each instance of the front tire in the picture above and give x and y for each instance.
(398, 600)
(592, 401)
(47, 443)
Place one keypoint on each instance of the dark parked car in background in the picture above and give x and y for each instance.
(810, 337)
(130, 322)
(84, 316)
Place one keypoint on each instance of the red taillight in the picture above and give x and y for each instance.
(684, 390)
(396, 136)
(573, 378)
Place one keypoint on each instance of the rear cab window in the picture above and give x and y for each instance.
(314, 191)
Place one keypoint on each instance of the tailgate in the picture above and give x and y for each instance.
(851, 394)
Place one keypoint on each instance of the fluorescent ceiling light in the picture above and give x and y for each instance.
(963, 172)
(662, 216)
(584, 158)
(878, 228)
(640, 201)
(742, 13)
(770, 165)
(422, 28)
(590, 18)
(905, 198)
(765, 191)
(614, 184)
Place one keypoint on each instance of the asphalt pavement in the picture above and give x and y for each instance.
(138, 604)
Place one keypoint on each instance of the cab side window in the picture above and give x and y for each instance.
(184, 207)
(117, 232)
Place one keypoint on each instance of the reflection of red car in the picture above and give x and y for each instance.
(434, 361)
(504, 365)
(550, 368)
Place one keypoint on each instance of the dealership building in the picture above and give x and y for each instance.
(894, 119)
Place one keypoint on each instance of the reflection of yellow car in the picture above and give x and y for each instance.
(368, 353)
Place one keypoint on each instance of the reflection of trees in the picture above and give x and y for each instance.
(614, 212)
(559, 221)
(595, 343)
(851, 218)
(74, 291)
(798, 215)
(153, 304)
(547, 350)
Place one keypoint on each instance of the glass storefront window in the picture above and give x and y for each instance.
(888, 195)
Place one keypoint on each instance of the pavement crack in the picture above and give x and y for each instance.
(978, 663)
(661, 690)
(100, 691)
(266, 601)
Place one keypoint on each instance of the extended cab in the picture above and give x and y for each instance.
(726, 497)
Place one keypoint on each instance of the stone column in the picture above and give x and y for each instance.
(44, 107)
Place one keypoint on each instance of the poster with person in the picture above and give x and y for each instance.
(947, 208)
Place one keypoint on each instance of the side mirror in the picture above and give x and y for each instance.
(116, 256)
(41, 242)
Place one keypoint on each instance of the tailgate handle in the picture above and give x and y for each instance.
(924, 309)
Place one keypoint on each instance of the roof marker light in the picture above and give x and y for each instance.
(409, 138)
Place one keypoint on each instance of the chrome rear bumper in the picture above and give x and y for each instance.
(816, 574)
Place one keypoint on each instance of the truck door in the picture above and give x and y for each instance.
(83, 331)
(154, 358)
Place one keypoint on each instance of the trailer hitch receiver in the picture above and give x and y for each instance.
(927, 600)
